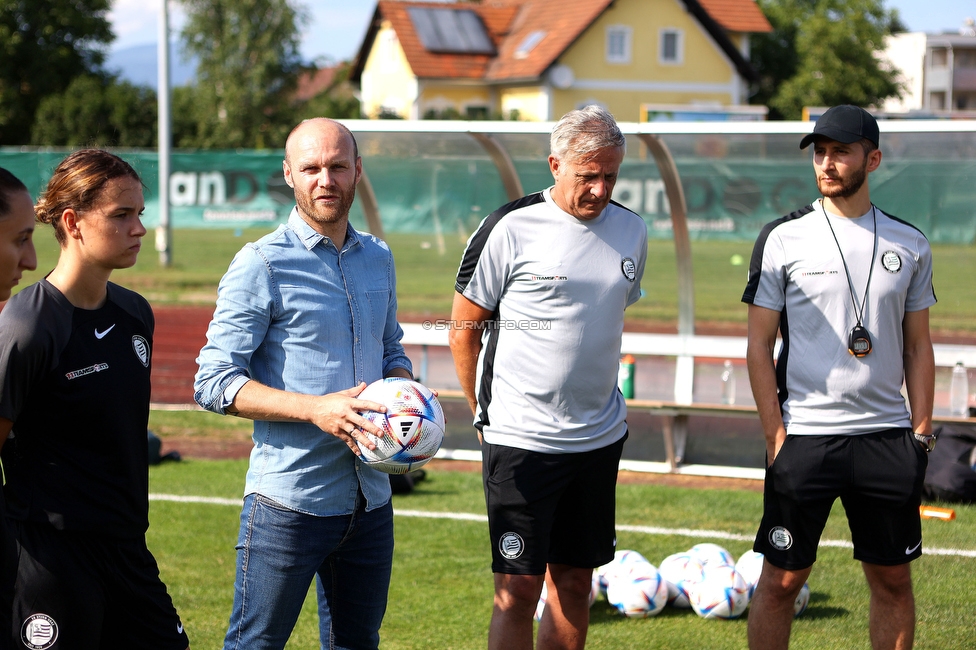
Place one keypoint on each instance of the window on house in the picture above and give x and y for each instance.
(672, 46)
(618, 44)
(528, 43)
(965, 58)
(965, 101)
(939, 57)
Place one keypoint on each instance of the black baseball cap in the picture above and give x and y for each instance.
(845, 124)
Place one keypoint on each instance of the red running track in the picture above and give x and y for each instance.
(180, 333)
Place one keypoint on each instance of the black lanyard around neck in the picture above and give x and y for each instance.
(850, 282)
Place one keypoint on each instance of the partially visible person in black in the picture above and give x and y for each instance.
(16, 232)
(16, 255)
(75, 355)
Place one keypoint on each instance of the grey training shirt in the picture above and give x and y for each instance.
(796, 269)
(558, 287)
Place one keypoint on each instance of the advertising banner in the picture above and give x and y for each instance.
(730, 197)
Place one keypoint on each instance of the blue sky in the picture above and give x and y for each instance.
(337, 26)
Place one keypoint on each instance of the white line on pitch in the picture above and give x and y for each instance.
(685, 532)
(463, 516)
(647, 530)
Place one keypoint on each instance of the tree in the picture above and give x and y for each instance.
(97, 110)
(44, 45)
(823, 53)
(185, 114)
(249, 63)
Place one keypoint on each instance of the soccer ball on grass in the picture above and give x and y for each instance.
(637, 590)
(721, 593)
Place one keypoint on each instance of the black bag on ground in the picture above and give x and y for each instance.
(950, 476)
(155, 444)
(403, 483)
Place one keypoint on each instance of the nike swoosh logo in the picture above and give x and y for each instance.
(909, 551)
(101, 335)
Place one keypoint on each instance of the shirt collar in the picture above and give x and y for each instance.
(311, 237)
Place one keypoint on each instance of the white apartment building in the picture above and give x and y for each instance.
(938, 72)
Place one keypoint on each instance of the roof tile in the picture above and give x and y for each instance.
(313, 82)
(737, 15)
(562, 21)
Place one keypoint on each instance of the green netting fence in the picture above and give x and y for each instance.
(731, 188)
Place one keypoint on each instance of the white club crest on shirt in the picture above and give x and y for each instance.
(891, 262)
(141, 348)
(39, 632)
(629, 269)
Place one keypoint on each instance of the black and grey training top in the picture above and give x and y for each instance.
(796, 269)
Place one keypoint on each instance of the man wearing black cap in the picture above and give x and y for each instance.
(848, 287)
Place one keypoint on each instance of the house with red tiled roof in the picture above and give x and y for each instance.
(313, 82)
(537, 59)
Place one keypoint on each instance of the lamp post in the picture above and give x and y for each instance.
(163, 230)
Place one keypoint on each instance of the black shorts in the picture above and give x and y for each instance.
(77, 590)
(550, 508)
(878, 477)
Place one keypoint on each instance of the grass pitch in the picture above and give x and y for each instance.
(426, 269)
(441, 589)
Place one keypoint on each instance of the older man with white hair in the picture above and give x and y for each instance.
(537, 324)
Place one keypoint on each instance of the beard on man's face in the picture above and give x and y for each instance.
(326, 213)
(848, 186)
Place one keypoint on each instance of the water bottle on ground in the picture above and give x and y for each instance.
(959, 391)
(625, 375)
(728, 383)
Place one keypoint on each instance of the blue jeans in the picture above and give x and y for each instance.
(280, 551)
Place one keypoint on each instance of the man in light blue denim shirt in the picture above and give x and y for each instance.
(305, 319)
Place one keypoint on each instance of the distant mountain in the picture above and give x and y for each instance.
(137, 65)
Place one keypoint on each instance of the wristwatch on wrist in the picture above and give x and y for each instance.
(927, 441)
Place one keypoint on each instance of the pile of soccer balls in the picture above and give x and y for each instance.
(705, 578)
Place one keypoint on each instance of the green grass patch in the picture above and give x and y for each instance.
(199, 259)
(202, 424)
(427, 266)
(441, 589)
